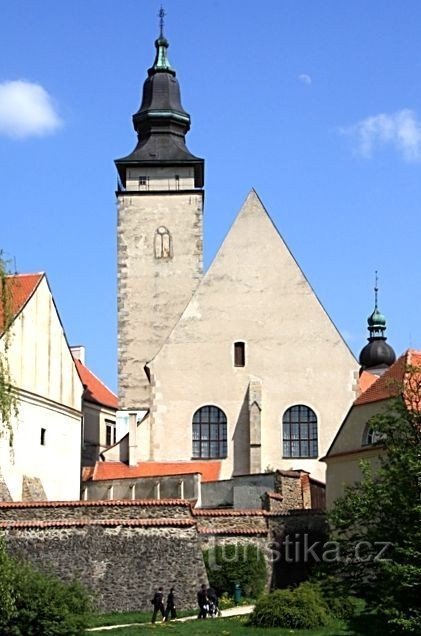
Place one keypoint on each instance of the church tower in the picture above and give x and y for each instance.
(377, 356)
(160, 207)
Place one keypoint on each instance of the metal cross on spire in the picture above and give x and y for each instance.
(161, 16)
(376, 288)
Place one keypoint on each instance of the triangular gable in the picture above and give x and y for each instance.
(40, 340)
(254, 258)
(19, 290)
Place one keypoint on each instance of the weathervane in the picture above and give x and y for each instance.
(161, 16)
(376, 288)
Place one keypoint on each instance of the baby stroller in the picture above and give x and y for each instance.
(212, 612)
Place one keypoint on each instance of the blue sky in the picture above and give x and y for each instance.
(316, 104)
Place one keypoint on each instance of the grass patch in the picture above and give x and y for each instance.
(236, 626)
(362, 625)
(123, 618)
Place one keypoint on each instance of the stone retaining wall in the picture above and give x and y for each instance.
(124, 550)
(54, 510)
(121, 565)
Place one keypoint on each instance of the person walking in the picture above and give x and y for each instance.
(158, 604)
(203, 602)
(170, 609)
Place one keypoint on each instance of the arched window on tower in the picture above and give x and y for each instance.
(163, 243)
(299, 437)
(209, 433)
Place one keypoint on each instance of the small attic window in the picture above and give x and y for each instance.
(143, 180)
(371, 436)
(239, 354)
(42, 436)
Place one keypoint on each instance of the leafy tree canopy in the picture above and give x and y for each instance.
(383, 512)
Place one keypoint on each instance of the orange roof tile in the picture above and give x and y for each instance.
(391, 382)
(19, 289)
(95, 390)
(365, 380)
(66, 523)
(117, 470)
(100, 503)
(227, 512)
(233, 531)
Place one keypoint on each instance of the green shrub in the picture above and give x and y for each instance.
(341, 605)
(227, 565)
(35, 604)
(226, 601)
(299, 608)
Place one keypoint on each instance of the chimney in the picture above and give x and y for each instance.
(133, 438)
(78, 352)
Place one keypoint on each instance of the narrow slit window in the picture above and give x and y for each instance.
(239, 354)
(42, 437)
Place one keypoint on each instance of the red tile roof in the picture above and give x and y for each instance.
(63, 523)
(227, 512)
(100, 503)
(117, 470)
(233, 531)
(391, 382)
(19, 289)
(365, 380)
(95, 390)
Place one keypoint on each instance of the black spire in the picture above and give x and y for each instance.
(377, 353)
(161, 122)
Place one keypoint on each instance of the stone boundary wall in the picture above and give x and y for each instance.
(109, 509)
(124, 550)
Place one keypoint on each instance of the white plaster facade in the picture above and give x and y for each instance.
(254, 292)
(46, 442)
(181, 326)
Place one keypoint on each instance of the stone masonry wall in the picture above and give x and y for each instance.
(123, 550)
(91, 510)
(121, 565)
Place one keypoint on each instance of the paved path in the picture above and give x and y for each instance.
(232, 611)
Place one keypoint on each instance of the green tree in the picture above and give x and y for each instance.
(383, 511)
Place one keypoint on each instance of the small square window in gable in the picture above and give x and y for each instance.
(239, 354)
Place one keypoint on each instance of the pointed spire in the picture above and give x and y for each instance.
(376, 321)
(161, 16)
(377, 353)
(376, 288)
(161, 122)
(161, 62)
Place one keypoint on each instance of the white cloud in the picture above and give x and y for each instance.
(401, 130)
(26, 110)
(305, 79)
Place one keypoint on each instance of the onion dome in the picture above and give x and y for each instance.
(377, 353)
(161, 122)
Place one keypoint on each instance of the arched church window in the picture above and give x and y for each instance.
(209, 433)
(371, 436)
(299, 426)
(163, 243)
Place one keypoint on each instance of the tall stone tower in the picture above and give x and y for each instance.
(160, 207)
